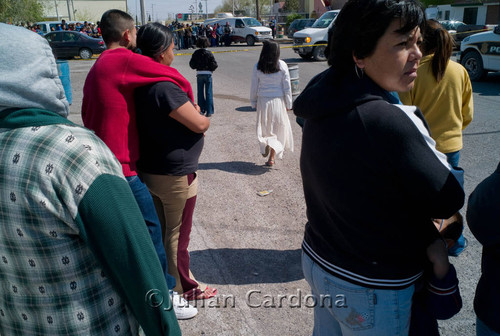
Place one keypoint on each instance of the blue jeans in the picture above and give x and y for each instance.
(343, 308)
(483, 330)
(145, 202)
(205, 98)
(459, 246)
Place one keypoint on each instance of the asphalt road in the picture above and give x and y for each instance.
(248, 246)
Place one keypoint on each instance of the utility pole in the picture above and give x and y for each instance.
(57, 11)
(257, 10)
(206, 8)
(143, 13)
(73, 10)
(69, 10)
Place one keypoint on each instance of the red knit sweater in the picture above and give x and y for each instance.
(108, 99)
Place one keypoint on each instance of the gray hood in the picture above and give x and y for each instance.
(28, 72)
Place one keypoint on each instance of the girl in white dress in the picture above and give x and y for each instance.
(271, 95)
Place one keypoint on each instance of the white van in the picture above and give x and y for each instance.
(246, 29)
(46, 26)
(480, 53)
(311, 42)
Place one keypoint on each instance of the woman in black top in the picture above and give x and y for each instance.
(171, 140)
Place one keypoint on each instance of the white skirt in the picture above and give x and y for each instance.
(273, 125)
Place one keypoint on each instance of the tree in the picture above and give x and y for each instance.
(291, 5)
(17, 11)
(242, 6)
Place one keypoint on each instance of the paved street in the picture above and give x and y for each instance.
(248, 246)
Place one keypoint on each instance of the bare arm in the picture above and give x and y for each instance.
(438, 256)
(190, 116)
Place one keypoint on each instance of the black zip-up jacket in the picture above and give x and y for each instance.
(372, 182)
(203, 60)
(483, 216)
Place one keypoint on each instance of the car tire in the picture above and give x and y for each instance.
(250, 40)
(85, 53)
(319, 53)
(473, 63)
(306, 56)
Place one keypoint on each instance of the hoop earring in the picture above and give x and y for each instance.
(358, 70)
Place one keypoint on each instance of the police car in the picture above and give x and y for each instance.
(480, 53)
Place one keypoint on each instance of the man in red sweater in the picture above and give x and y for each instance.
(108, 109)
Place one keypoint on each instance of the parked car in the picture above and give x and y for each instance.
(460, 30)
(71, 43)
(480, 53)
(299, 24)
(311, 42)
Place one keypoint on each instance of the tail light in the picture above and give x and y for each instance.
(101, 43)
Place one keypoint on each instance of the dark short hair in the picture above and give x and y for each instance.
(439, 42)
(153, 39)
(361, 23)
(113, 23)
(269, 57)
(202, 42)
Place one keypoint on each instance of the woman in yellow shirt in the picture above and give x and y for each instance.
(442, 91)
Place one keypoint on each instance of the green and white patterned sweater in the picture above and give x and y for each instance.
(75, 254)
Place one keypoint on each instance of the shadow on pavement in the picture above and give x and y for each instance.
(246, 266)
(245, 109)
(490, 86)
(239, 167)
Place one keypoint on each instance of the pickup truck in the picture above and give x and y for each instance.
(311, 42)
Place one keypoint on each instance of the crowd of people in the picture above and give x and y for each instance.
(87, 28)
(101, 215)
(186, 35)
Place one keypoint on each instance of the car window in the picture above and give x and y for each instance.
(325, 20)
(251, 22)
(239, 24)
(52, 37)
(70, 37)
(302, 24)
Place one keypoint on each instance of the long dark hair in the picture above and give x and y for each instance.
(361, 23)
(153, 39)
(269, 58)
(439, 42)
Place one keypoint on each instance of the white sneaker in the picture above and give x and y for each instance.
(183, 310)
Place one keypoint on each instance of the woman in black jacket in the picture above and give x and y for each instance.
(203, 61)
(373, 179)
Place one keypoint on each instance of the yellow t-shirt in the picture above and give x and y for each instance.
(447, 105)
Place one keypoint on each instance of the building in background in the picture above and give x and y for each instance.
(484, 12)
(80, 10)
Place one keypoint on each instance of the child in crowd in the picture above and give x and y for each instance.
(203, 61)
(437, 296)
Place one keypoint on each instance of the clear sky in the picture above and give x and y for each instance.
(167, 9)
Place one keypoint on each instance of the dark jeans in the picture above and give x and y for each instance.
(145, 202)
(453, 158)
(205, 98)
